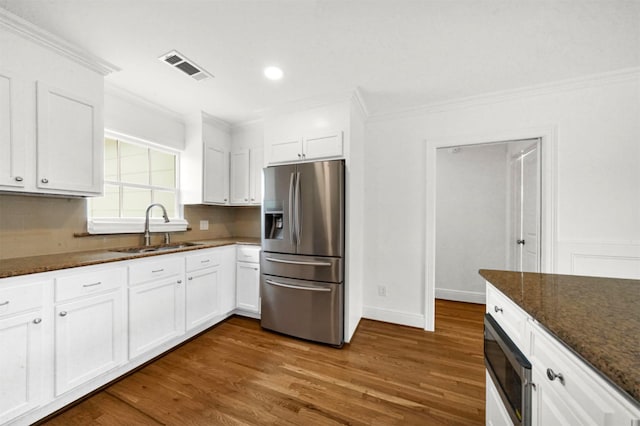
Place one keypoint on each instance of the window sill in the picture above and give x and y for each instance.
(133, 226)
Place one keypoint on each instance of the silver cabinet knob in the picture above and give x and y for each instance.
(37, 320)
(225, 199)
(44, 180)
(246, 199)
(190, 278)
(299, 155)
(552, 375)
(18, 178)
(179, 281)
(496, 309)
(63, 314)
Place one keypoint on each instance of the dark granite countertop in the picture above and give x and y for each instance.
(597, 318)
(52, 262)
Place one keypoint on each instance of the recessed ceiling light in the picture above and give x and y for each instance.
(273, 73)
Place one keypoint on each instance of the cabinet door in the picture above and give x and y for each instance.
(496, 414)
(256, 157)
(69, 142)
(216, 175)
(21, 364)
(286, 150)
(248, 286)
(547, 407)
(202, 296)
(323, 146)
(12, 165)
(239, 193)
(156, 314)
(90, 337)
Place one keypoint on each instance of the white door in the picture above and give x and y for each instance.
(21, 364)
(525, 212)
(89, 339)
(202, 296)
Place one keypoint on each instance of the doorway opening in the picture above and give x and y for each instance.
(497, 212)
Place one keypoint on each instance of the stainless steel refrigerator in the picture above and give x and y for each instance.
(302, 260)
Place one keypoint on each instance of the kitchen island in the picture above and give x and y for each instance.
(596, 319)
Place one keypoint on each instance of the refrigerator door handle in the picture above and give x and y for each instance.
(295, 287)
(292, 202)
(298, 209)
(297, 262)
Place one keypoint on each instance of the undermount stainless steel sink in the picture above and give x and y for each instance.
(154, 249)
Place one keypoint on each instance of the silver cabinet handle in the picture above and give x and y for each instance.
(63, 314)
(37, 320)
(205, 261)
(299, 155)
(255, 269)
(44, 180)
(246, 199)
(552, 375)
(253, 199)
(5, 303)
(295, 287)
(190, 278)
(297, 262)
(179, 281)
(496, 309)
(225, 199)
(157, 270)
(18, 178)
(92, 285)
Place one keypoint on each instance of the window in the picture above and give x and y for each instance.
(135, 176)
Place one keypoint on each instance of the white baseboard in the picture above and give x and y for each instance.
(392, 316)
(460, 295)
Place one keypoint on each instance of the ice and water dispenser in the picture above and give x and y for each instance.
(273, 220)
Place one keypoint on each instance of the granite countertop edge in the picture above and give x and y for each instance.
(20, 266)
(629, 389)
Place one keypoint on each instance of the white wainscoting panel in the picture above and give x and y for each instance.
(601, 259)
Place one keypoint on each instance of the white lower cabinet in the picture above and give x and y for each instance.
(203, 280)
(248, 280)
(156, 306)
(22, 344)
(90, 330)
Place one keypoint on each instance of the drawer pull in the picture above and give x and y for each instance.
(37, 320)
(63, 314)
(205, 261)
(179, 281)
(496, 309)
(44, 180)
(92, 285)
(552, 375)
(5, 303)
(19, 179)
(157, 270)
(190, 278)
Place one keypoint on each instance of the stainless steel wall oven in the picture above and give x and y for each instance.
(510, 371)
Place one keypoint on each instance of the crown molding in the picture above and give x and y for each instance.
(593, 80)
(249, 123)
(216, 122)
(31, 32)
(119, 92)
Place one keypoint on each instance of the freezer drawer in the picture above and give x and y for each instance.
(312, 268)
(305, 309)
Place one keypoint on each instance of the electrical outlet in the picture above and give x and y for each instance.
(204, 225)
(382, 291)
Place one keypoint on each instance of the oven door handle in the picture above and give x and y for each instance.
(296, 287)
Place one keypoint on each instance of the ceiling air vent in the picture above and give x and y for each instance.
(187, 66)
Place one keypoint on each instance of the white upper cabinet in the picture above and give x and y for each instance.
(204, 164)
(69, 141)
(51, 116)
(12, 159)
(328, 144)
(246, 176)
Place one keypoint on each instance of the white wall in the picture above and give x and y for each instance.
(471, 219)
(123, 113)
(597, 129)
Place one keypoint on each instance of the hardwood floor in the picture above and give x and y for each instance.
(239, 374)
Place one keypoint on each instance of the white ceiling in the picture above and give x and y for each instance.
(400, 53)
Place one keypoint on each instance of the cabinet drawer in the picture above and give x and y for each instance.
(509, 315)
(248, 254)
(207, 259)
(77, 285)
(152, 270)
(581, 389)
(21, 298)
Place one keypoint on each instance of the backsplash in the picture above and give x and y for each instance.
(34, 225)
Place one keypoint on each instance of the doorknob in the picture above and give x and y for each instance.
(520, 242)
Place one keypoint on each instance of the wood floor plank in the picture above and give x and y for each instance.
(239, 374)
